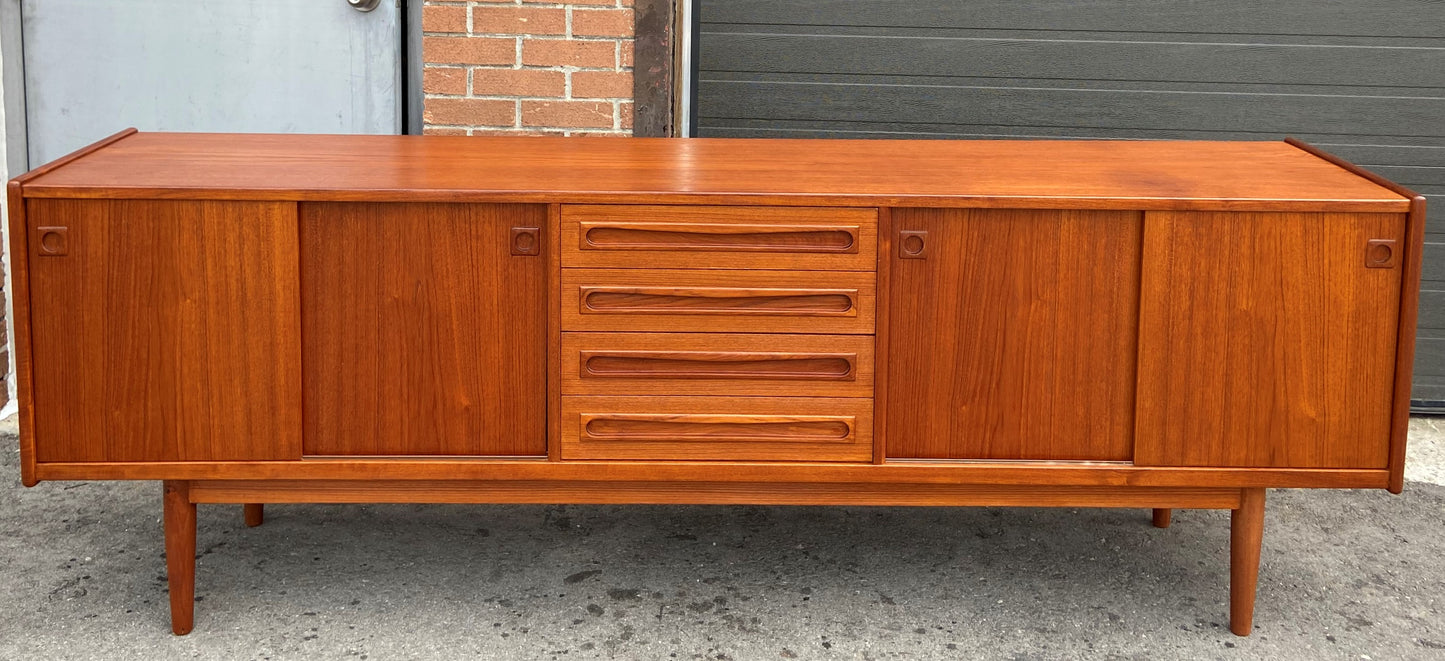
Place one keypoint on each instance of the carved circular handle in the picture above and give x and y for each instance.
(524, 242)
(1380, 253)
(51, 242)
(913, 244)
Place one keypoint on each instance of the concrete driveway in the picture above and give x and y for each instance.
(1345, 575)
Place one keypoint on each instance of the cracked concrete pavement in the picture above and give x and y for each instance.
(1345, 575)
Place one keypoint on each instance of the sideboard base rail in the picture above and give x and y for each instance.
(180, 498)
(706, 493)
(895, 471)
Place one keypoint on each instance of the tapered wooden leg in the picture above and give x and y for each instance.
(255, 513)
(1162, 516)
(180, 525)
(1246, 531)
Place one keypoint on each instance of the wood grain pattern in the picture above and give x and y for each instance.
(717, 428)
(179, 521)
(1405, 340)
(921, 471)
(717, 301)
(19, 253)
(709, 493)
(1015, 337)
(1246, 534)
(871, 173)
(717, 364)
(1162, 517)
(423, 334)
(1409, 306)
(728, 237)
(882, 335)
(1265, 341)
(554, 328)
(75, 155)
(169, 332)
(254, 514)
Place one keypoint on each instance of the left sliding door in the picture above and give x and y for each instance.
(164, 330)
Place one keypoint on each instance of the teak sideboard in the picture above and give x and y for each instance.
(281, 319)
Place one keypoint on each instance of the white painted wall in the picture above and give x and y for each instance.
(5, 241)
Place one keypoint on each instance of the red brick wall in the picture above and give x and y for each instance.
(519, 67)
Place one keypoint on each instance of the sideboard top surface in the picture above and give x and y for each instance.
(998, 173)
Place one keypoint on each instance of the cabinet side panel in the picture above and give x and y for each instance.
(1266, 340)
(1012, 334)
(423, 333)
(165, 330)
(20, 308)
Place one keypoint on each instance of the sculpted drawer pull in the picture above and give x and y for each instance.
(718, 365)
(718, 237)
(717, 427)
(719, 300)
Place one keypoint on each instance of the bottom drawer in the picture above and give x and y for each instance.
(717, 428)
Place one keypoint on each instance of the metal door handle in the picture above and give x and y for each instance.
(363, 5)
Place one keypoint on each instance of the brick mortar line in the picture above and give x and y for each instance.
(567, 71)
(513, 97)
(549, 36)
(561, 68)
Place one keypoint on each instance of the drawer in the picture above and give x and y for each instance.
(717, 237)
(717, 364)
(717, 301)
(717, 428)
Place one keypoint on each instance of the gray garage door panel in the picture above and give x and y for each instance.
(909, 102)
(1430, 358)
(1078, 57)
(1364, 79)
(1418, 18)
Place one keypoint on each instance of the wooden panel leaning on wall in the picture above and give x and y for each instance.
(1033, 324)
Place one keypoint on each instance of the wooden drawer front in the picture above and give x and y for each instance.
(635, 236)
(717, 301)
(717, 428)
(717, 364)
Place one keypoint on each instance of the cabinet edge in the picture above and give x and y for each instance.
(20, 309)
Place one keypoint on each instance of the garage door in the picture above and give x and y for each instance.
(1364, 79)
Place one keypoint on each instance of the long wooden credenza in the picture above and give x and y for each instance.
(346, 319)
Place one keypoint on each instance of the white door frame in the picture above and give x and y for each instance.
(13, 161)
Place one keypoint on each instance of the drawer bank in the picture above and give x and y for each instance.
(353, 319)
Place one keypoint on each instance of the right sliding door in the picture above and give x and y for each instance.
(1267, 339)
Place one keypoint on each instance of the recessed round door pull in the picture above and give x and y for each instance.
(526, 241)
(53, 241)
(1380, 254)
(913, 244)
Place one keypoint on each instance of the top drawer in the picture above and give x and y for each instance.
(716, 237)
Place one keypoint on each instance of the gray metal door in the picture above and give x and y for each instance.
(1364, 79)
(93, 67)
